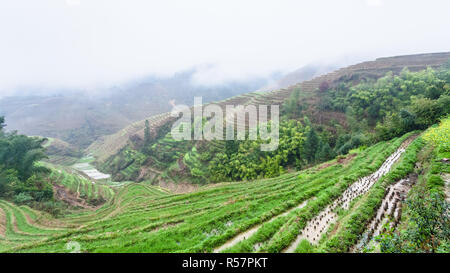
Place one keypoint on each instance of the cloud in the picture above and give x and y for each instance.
(99, 43)
(374, 3)
(73, 2)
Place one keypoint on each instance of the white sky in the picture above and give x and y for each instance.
(86, 43)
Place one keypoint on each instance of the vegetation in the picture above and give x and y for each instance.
(206, 219)
(375, 110)
(428, 229)
(354, 221)
(21, 179)
(261, 201)
(426, 224)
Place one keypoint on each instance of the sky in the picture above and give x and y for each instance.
(88, 44)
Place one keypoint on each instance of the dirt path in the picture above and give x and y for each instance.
(390, 209)
(246, 234)
(320, 224)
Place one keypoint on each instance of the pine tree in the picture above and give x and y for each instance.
(311, 145)
(325, 152)
(2, 123)
(146, 136)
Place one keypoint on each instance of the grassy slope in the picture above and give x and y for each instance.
(143, 218)
(109, 149)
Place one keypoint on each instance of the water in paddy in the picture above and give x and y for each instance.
(85, 166)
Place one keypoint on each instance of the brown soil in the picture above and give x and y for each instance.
(142, 173)
(347, 159)
(148, 173)
(342, 161)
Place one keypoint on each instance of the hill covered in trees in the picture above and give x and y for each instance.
(361, 166)
(322, 118)
(21, 179)
(79, 117)
(387, 197)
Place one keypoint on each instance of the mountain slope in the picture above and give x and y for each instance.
(80, 117)
(271, 212)
(121, 153)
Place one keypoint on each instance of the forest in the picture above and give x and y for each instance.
(375, 110)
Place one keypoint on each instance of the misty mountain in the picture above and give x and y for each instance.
(304, 73)
(79, 117)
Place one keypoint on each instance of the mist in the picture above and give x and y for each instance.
(52, 45)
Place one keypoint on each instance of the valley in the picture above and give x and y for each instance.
(363, 151)
(265, 215)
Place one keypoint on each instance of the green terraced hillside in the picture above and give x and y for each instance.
(143, 218)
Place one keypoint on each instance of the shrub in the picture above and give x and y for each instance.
(23, 198)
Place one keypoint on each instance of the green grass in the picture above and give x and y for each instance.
(352, 222)
(145, 218)
(79, 185)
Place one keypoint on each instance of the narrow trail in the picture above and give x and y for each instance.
(246, 234)
(390, 209)
(320, 224)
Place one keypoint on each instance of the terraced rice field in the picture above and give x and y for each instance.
(79, 186)
(320, 224)
(258, 216)
(391, 208)
(20, 225)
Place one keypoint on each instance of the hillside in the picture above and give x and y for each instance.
(373, 177)
(218, 136)
(107, 145)
(326, 208)
(60, 152)
(79, 117)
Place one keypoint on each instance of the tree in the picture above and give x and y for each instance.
(2, 123)
(147, 133)
(426, 112)
(20, 152)
(311, 145)
(19, 173)
(147, 139)
(325, 152)
(291, 106)
(428, 231)
(407, 120)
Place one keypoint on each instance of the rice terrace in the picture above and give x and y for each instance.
(344, 155)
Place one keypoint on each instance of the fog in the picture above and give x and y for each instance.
(94, 44)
